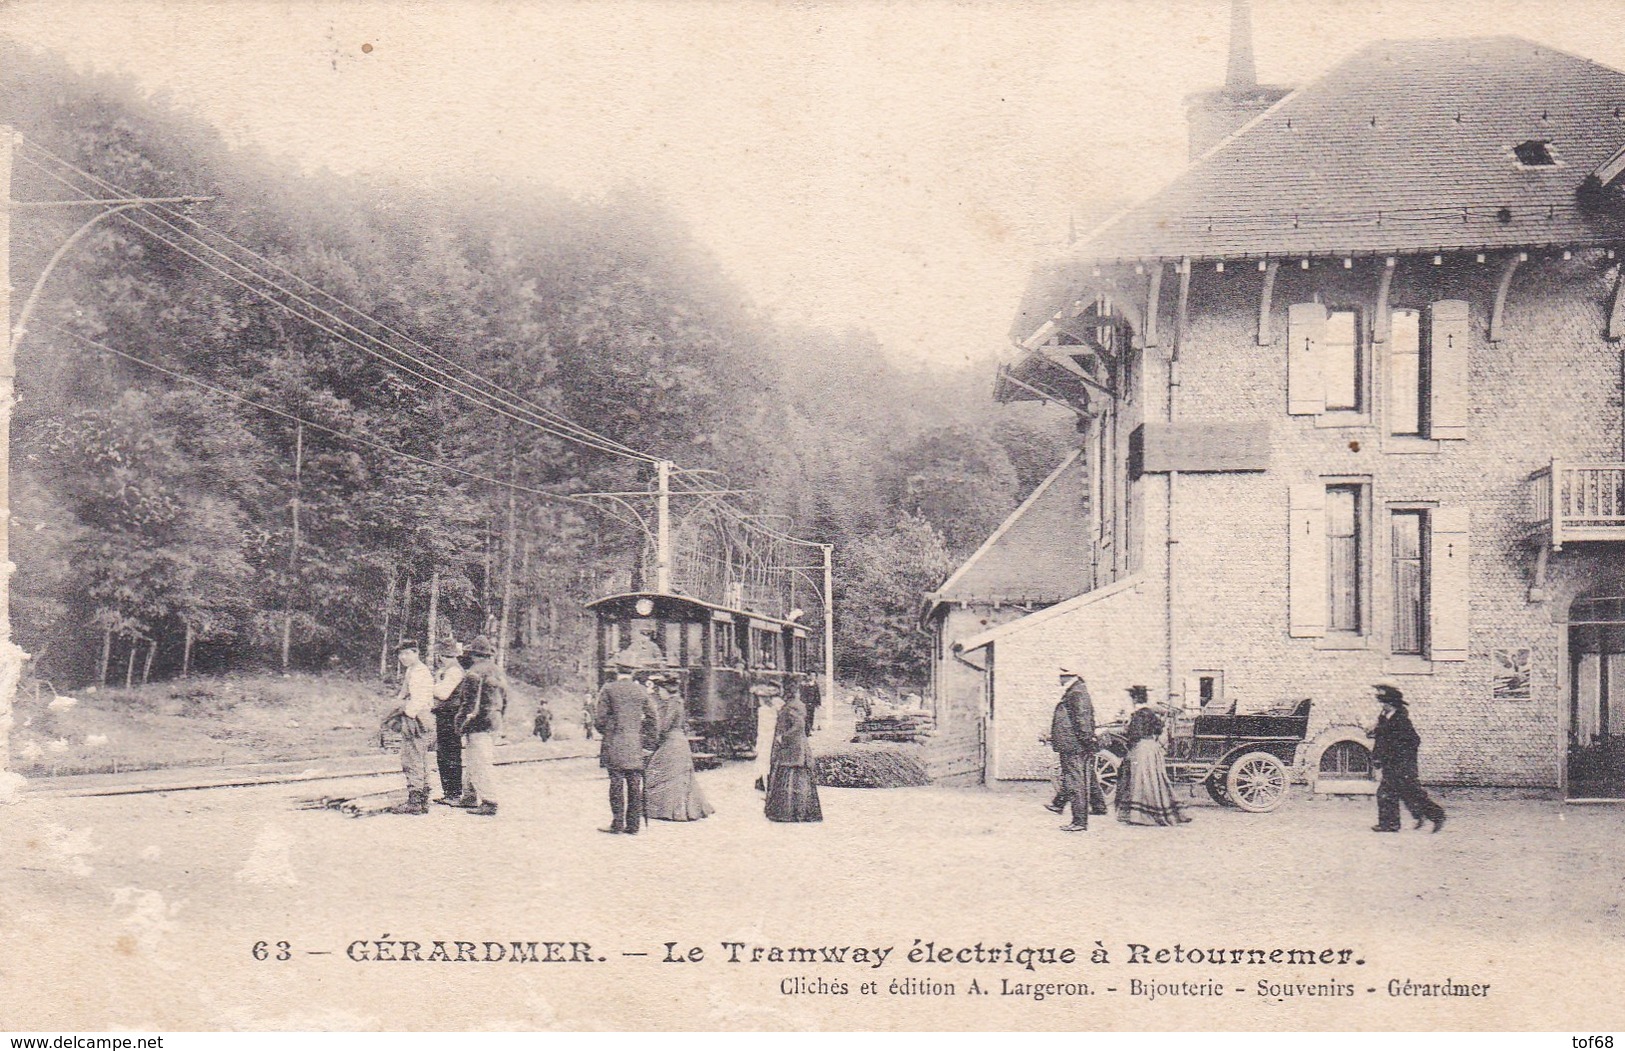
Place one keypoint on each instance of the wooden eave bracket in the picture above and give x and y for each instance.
(1381, 324)
(1182, 310)
(1266, 331)
(1080, 330)
(1616, 308)
(1153, 304)
(1537, 585)
(1064, 360)
(1498, 311)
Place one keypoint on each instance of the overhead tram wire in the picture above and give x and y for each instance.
(746, 520)
(568, 431)
(471, 394)
(294, 418)
(474, 398)
(531, 406)
(546, 421)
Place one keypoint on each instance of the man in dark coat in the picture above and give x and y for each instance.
(448, 747)
(624, 707)
(1072, 735)
(1394, 746)
(484, 693)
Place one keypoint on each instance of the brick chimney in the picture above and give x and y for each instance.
(1213, 115)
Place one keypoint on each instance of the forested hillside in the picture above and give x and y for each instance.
(158, 460)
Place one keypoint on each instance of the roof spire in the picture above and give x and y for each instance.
(1243, 73)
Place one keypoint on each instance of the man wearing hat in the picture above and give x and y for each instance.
(1072, 735)
(411, 719)
(479, 718)
(624, 707)
(448, 743)
(1393, 749)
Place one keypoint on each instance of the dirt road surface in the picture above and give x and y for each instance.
(143, 913)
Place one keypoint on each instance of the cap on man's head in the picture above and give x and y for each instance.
(1139, 694)
(1068, 673)
(1388, 693)
(481, 647)
(406, 644)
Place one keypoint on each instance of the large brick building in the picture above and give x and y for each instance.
(1353, 391)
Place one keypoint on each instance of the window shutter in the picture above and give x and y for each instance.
(1447, 369)
(1305, 385)
(1450, 583)
(1306, 555)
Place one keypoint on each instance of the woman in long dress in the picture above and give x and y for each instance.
(670, 792)
(1145, 795)
(768, 703)
(792, 789)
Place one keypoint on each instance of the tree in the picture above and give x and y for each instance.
(884, 577)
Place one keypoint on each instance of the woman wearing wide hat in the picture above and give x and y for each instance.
(1145, 795)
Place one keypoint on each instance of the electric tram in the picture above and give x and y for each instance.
(724, 661)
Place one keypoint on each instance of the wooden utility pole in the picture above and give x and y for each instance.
(434, 615)
(389, 608)
(507, 571)
(829, 628)
(11, 656)
(293, 550)
(663, 528)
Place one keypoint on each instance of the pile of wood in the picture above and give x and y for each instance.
(910, 727)
(872, 766)
(358, 805)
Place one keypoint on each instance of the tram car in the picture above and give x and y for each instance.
(724, 660)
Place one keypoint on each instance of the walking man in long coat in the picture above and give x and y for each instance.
(624, 707)
(1072, 735)
(1394, 746)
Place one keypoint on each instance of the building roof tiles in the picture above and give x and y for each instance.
(1406, 146)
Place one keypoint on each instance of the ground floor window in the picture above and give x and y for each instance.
(1346, 761)
(1408, 532)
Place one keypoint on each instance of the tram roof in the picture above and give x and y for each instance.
(701, 603)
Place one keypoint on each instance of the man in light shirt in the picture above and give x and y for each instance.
(412, 719)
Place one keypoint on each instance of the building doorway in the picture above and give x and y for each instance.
(1596, 722)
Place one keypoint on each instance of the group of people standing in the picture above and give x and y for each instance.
(1145, 792)
(457, 711)
(467, 696)
(645, 749)
(651, 766)
(1145, 795)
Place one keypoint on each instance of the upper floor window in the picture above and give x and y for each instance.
(1325, 360)
(1407, 375)
(1340, 361)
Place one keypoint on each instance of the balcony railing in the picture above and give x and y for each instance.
(1578, 501)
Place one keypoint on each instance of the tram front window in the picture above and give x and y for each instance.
(639, 642)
